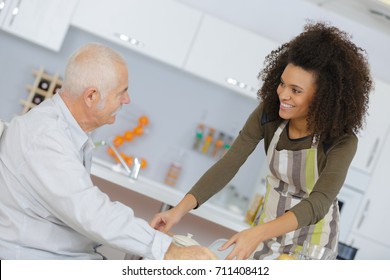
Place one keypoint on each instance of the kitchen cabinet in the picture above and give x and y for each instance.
(369, 249)
(4, 7)
(372, 138)
(44, 22)
(349, 200)
(161, 29)
(372, 224)
(228, 55)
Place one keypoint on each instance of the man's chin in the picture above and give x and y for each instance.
(111, 120)
(117, 111)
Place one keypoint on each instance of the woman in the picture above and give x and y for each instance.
(314, 99)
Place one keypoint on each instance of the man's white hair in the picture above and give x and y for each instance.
(93, 65)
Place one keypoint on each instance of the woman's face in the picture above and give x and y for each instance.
(296, 90)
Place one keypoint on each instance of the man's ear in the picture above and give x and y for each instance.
(91, 96)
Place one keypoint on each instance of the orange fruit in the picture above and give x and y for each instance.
(128, 136)
(143, 120)
(123, 155)
(116, 159)
(129, 160)
(138, 130)
(110, 152)
(118, 140)
(144, 163)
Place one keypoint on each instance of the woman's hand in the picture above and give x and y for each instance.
(164, 221)
(245, 242)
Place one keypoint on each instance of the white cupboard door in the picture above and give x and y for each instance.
(44, 22)
(162, 29)
(372, 220)
(229, 56)
(369, 249)
(372, 138)
(4, 7)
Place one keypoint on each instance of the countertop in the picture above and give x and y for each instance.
(167, 195)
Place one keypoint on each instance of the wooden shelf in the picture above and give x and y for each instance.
(44, 86)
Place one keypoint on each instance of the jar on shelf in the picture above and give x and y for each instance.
(174, 170)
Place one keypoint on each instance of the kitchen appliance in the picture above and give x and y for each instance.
(346, 252)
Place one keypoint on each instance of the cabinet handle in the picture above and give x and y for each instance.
(2, 5)
(15, 12)
(373, 152)
(130, 40)
(365, 210)
(236, 83)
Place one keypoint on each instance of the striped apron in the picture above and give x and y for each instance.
(292, 176)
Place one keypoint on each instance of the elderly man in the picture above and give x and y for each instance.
(49, 207)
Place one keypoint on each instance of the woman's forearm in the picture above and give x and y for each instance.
(281, 225)
(186, 205)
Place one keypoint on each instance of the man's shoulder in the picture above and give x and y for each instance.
(42, 121)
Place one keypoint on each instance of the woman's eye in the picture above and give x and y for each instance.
(295, 90)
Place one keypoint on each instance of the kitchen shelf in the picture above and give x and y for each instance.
(37, 92)
(160, 192)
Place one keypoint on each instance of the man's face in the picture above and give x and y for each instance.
(107, 108)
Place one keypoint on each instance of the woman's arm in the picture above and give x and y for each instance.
(164, 221)
(331, 179)
(217, 176)
(222, 172)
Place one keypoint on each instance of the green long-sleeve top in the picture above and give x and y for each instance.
(333, 163)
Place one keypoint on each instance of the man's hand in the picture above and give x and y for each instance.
(189, 253)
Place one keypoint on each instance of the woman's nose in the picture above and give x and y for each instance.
(283, 93)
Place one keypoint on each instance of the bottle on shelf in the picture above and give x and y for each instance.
(44, 84)
(218, 145)
(208, 140)
(174, 170)
(257, 202)
(198, 136)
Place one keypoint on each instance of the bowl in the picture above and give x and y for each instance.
(315, 252)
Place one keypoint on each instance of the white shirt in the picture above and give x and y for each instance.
(49, 207)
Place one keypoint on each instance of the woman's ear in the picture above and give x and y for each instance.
(91, 97)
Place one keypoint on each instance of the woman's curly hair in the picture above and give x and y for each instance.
(342, 73)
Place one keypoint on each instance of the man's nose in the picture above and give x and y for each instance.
(126, 98)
